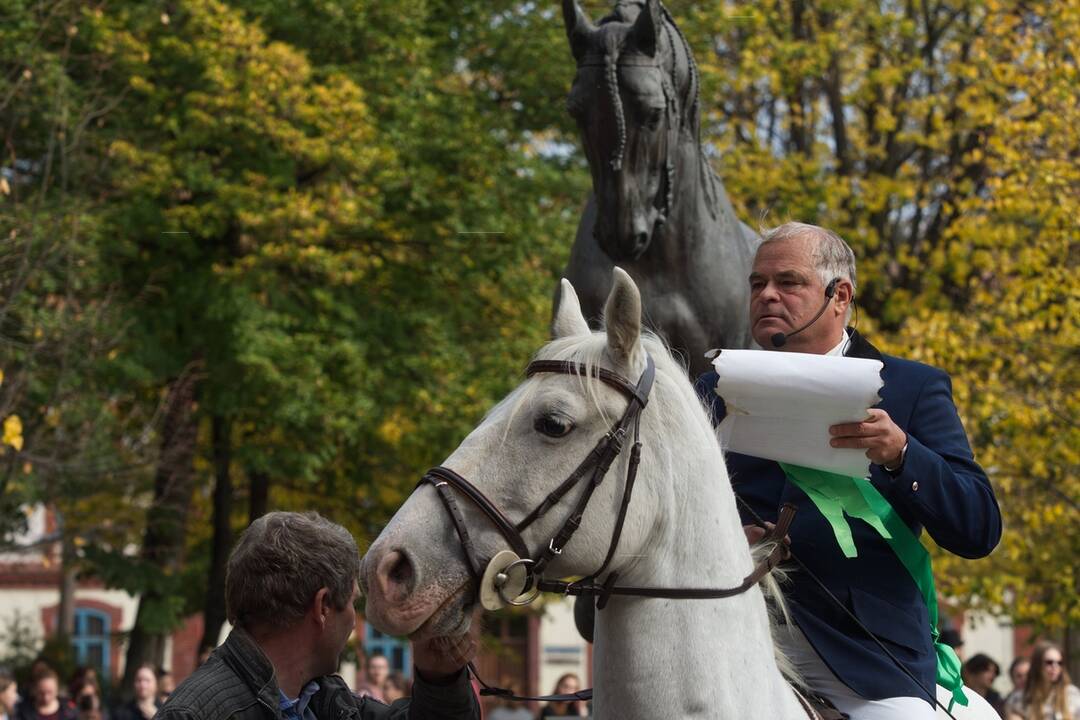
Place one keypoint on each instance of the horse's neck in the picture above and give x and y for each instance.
(690, 658)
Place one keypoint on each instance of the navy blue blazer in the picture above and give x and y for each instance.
(940, 487)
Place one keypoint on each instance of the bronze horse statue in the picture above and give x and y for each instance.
(657, 209)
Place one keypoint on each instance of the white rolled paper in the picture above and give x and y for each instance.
(780, 405)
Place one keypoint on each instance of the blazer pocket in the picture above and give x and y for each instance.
(907, 627)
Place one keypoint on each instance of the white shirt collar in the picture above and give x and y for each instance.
(841, 346)
(837, 349)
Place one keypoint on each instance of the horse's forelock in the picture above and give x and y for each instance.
(612, 31)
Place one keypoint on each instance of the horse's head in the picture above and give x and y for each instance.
(631, 98)
(417, 575)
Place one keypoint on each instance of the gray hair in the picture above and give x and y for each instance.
(831, 256)
(281, 561)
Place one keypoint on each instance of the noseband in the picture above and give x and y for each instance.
(517, 571)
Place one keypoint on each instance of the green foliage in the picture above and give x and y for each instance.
(940, 139)
(347, 217)
(20, 640)
(287, 200)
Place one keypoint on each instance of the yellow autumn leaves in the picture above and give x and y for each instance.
(12, 429)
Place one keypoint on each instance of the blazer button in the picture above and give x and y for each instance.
(914, 486)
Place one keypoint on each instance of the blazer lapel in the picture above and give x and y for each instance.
(860, 347)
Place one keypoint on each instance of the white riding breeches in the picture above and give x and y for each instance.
(819, 678)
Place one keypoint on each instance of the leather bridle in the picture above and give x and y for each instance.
(592, 469)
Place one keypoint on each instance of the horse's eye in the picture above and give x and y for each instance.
(553, 425)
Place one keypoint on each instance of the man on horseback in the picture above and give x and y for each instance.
(801, 289)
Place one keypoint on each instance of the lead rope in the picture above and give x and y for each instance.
(489, 690)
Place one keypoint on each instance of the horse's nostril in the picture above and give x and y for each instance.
(402, 571)
(396, 575)
(641, 239)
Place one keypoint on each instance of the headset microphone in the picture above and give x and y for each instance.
(779, 339)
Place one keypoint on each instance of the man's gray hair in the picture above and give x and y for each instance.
(831, 255)
(281, 561)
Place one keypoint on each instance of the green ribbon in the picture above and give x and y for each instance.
(834, 495)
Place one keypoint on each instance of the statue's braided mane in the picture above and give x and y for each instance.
(611, 74)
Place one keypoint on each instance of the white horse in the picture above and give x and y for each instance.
(653, 657)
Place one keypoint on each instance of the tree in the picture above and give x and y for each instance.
(297, 274)
(939, 138)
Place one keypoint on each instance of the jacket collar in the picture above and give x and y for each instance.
(249, 662)
(860, 347)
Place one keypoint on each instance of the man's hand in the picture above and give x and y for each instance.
(881, 437)
(441, 657)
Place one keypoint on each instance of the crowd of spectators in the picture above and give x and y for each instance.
(44, 698)
(1041, 690)
(1041, 687)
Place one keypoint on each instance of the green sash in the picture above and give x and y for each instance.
(834, 495)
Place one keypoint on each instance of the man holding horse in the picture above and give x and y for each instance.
(802, 285)
(290, 591)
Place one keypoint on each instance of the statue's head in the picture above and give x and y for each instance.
(627, 98)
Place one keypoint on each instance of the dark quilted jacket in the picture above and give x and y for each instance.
(237, 683)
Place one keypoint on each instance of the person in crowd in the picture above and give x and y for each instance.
(165, 685)
(40, 666)
(979, 673)
(290, 594)
(1018, 672)
(1048, 692)
(376, 671)
(952, 638)
(9, 694)
(395, 687)
(144, 704)
(88, 706)
(801, 285)
(44, 702)
(84, 694)
(568, 683)
(84, 680)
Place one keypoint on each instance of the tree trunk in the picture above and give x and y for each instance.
(163, 540)
(258, 494)
(65, 620)
(214, 606)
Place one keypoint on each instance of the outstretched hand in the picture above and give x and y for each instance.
(882, 438)
(441, 657)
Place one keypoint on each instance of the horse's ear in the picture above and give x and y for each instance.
(647, 27)
(567, 319)
(578, 27)
(622, 317)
